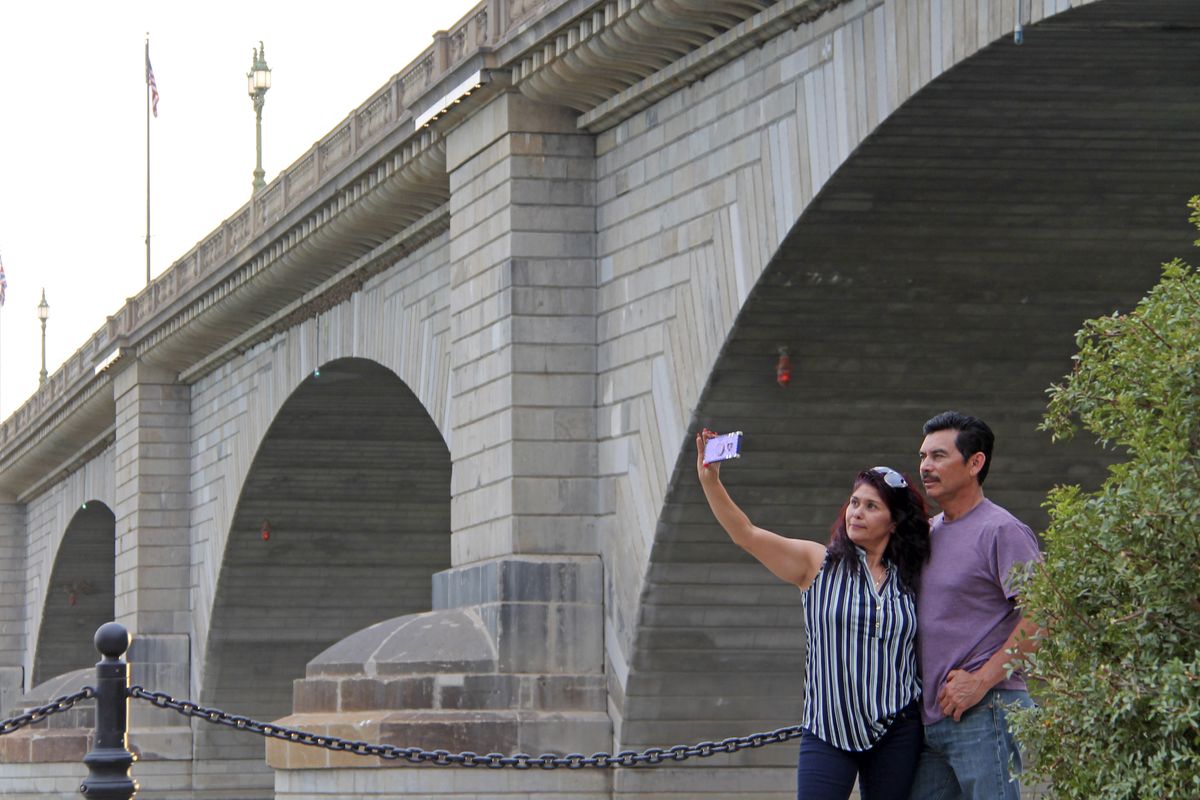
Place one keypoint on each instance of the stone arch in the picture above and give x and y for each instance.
(353, 481)
(946, 263)
(80, 594)
(398, 320)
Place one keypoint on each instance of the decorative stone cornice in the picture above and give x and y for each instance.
(620, 43)
(620, 56)
(397, 192)
(332, 292)
(750, 33)
(50, 450)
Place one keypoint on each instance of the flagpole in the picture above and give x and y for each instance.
(147, 158)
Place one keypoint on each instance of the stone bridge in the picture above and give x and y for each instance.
(402, 450)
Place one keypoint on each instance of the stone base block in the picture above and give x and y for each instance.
(161, 663)
(162, 744)
(11, 680)
(442, 783)
(705, 779)
(44, 746)
(233, 779)
(477, 731)
(29, 781)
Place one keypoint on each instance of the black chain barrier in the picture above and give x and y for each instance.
(444, 758)
(56, 706)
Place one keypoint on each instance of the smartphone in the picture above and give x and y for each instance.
(723, 447)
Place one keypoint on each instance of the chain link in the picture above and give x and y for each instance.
(444, 758)
(38, 714)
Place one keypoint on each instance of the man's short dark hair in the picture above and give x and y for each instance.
(974, 436)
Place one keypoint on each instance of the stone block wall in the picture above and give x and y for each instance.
(13, 600)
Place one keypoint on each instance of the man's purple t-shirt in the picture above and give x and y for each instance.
(966, 609)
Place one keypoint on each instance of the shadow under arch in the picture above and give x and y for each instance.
(79, 597)
(947, 264)
(353, 480)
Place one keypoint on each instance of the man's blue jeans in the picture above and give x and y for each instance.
(975, 758)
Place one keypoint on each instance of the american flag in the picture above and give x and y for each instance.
(150, 82)
(3, 282)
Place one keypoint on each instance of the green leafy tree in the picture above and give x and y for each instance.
(1119, 593)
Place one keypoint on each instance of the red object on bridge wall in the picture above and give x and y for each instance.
(783, 368)
(266, 530)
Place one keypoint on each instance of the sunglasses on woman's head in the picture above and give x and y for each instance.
(891, 477)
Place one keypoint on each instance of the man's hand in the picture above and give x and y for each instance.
(961, 691)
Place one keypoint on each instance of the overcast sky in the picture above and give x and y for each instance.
(73, 137)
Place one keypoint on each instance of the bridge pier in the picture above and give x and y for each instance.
(523, 436)
(12, 603)
(523, 327)
(526, 589)
(153, 556)
(152, 451)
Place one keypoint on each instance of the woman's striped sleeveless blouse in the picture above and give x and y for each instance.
(861, 661)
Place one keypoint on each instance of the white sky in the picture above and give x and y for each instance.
(73, 137)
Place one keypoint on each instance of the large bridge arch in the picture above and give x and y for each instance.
(397, 319)
(80, 593)
(61, 525)
(341, 522)
(947, 261)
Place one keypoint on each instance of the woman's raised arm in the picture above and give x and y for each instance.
(793, 560)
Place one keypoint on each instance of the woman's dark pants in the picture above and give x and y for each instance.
(885, 772)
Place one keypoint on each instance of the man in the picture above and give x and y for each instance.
(969, 626)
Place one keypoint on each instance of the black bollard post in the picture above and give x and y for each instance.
(109, 761)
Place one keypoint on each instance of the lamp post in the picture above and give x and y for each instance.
(43, 315)
(258, 80)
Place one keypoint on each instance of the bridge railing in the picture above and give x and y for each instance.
(110, 760)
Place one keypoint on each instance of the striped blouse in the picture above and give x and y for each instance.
(861, 661)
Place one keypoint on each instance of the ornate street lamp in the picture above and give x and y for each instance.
(43, 315)
(258, 80)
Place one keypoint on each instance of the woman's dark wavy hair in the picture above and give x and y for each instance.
(908, 548)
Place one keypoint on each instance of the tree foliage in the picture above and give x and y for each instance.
(1119, 592)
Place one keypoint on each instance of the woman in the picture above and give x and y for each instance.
(862, 711)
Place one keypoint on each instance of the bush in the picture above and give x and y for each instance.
(1119, 592)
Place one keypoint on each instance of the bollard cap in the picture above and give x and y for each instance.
(112, 640)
